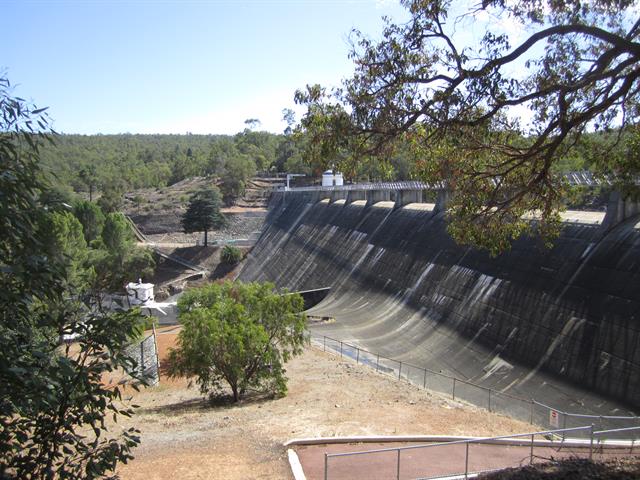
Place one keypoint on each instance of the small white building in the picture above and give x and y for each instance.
(139, 293)
(332, 179)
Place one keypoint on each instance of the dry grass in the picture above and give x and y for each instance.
(187, 437)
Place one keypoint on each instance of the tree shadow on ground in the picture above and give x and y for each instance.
(222, 270)
(195, 254)
(220, 401)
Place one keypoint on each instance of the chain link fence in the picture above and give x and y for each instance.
(527, 409)
(145, 354)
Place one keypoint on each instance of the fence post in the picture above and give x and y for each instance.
(357, 355)
(155, 344)
(531, 417)
(466, 462)
(400, 371)
(142, 357)
(326, 467)
(489, 400)
(454, 388)
(340, 349)
(564, 426)
(601, 423)
(424, 380)
(324, 343)
(398, 470)
(591, 442)
(531, 452)
(377, 361)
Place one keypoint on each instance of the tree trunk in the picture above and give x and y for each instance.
(236, 395)
(205, 238)
(91, 192)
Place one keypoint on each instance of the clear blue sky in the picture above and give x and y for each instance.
(202, 66)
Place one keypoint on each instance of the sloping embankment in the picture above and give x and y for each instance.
(554, 324)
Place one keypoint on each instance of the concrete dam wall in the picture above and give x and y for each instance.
(560, 325)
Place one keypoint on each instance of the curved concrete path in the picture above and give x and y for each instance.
(432, 462)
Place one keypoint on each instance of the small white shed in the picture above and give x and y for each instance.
(332, 179)
(139, 293)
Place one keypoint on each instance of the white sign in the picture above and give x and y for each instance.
(554, 418)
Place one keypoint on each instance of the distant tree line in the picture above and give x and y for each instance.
(113, 164)
(107, 166)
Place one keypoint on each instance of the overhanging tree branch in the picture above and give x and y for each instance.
(420, 88)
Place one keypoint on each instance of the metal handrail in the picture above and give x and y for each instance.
(465, 442)
(616, 430)
(532, 402)
(584, 177)
(491, 391)
(457, 442)
(440, 374)
(400, 185)
(586, 415)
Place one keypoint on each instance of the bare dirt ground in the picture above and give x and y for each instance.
(157, 212)
(186, 437)
(208, 258)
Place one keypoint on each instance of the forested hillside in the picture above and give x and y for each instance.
(135, 161)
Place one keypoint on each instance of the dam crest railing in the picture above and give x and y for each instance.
(578, 178)
(404, 185)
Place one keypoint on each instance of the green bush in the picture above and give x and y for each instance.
(53, 396)
(230, 255)
(240, 335)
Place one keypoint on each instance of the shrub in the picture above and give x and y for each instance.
(230, 255)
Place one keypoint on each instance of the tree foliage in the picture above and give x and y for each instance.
(289, 152)
(238, 334)
(237, 171)
(99, 251)
(203, 213)
(112, 198)
(454, 104)
(89, 176)
(57, 198)
(117, 258)
(52, 398)
(91, 218)
(66, 246)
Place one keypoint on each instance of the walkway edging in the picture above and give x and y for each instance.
(570, 442)
(296, 466)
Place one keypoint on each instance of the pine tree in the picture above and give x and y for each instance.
(203, 213)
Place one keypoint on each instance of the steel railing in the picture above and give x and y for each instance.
(528, 409)
(400, 185)
(578, 178)
(579, 449)
(530, 442)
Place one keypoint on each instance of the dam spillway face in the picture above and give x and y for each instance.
(555, 324)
